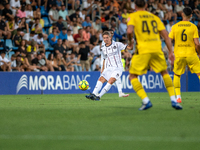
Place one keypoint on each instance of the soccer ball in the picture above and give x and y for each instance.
(83, 85)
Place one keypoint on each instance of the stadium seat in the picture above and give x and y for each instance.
(46, 44)
(10, 54)
(46, 22)
(43, 11)
(8, 43)
(47, 54)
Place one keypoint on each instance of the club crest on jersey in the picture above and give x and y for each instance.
(114, 47)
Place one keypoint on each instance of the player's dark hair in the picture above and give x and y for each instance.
(106, 33)
(140, 3)
(187, 11)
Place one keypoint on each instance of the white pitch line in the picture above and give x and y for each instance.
(100, 138)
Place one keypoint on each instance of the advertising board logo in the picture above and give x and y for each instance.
(23, 82)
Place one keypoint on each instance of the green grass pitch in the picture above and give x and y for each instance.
(72, 122)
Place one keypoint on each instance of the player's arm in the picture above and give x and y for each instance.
(196, 41)
(164, 34)
(130, 30)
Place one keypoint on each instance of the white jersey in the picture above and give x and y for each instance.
(112, 54)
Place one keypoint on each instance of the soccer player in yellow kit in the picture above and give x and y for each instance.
(185, 35)
(148, 28)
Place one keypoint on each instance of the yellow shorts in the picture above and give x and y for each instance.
(192, 62)
(141, 62)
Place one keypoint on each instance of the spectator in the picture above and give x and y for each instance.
(96, 50)
(115, 36)
(10, 24)
(7, 12)
(74, 15)
(69, 36)
(63, 12)
(97, 24)
(86, 34)
(179, 8)
(59, 63)
(29, 13)
(38, 38)
(82, 14)
(63, 34)
(22, 48)
(16, 63)
(78, 37)
(37, 25)
(15, 6)
(94, 40)
(125, 14)
(53, 14)
(96, 66)
(83, 56)
(169, 8)
(65, 46)
(24, 26)
(54, 26)
(58, 47)
(87, 22)
(53, 37)
(123, 27)
(31, 49)
(37, 14)
(59, 3)
(47, 63)
(49, 4)
(39, 63)
(59, 23)
(21, 13)
(18, 38)
(4, 62)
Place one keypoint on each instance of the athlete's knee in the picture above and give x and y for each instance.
(132, 76)
(164, 72)
(102, 79)
(112, 80)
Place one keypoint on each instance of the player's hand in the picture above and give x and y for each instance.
(171, 57)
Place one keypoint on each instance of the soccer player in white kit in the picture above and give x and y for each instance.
(112, 66)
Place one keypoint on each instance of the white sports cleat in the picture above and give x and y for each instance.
(123, 95)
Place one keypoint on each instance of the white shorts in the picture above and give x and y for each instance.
(112, 72)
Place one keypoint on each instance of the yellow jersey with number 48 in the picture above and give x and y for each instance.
(146, 28)
(184, 33)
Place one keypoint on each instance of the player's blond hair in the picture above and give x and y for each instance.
(106, 33)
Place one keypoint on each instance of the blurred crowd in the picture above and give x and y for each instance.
(52, 35)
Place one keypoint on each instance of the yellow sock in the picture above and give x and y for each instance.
(137, 86)
(177, 85)
(168, 84)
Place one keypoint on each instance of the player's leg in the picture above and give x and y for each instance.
(179, 69)
(107, 86)
(139, 65)
(194, 65)
(177, 86)
(99, 84)
(137, 86)
(158, 64)
(115, 74)
(119, 88)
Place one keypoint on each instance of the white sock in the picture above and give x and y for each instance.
(173, 98)
(145, 100)
(178, 96)
(97, 87)
(119, 85)
(105, 89)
